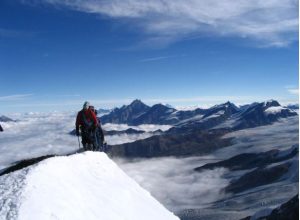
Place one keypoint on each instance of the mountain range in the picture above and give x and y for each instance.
(226, 115)
(193, 132)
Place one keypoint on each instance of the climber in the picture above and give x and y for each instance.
(87, 123)
(101, 144)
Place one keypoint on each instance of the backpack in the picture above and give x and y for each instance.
(87, 124)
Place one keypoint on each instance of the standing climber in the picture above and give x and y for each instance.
(87, 123)
(101, 144)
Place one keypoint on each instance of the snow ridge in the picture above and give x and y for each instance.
(10, 193)
(81, 186)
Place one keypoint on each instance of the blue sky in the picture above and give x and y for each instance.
(55, 54)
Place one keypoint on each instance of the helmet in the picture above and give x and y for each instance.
(86, 105)
(92, 107)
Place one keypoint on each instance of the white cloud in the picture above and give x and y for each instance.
(271, 22)
(185, 187)
(37, 134)
(14, 97)
(127, 138)
(294, 91)
(143, 127)
(154, 59)
(160, 58)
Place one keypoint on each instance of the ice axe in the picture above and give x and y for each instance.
(78, 142)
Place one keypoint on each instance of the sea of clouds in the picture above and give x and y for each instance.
(174, 182)
(38, 134)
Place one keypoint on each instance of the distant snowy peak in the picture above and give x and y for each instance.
(162, 107)
(269, 107)
(227, 108)
(293, 106)
(167, 105)
(103, 111)
(277, 110)
(138, 113)
(270, 103)
(256, 114)
(126, 114)
(82, 186)
(208, 118)
(263, 113)
(259, 105)
(138, 104)
(226, 105)
(157, 114)
(3, 118)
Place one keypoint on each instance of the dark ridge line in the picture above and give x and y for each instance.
(24, 163)
(28, 162)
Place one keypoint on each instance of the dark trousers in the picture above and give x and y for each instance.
(99, 139)
(88, 139)
(92, 139)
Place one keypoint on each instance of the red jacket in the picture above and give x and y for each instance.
(87, 115)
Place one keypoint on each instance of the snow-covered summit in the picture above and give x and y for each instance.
(81, 186)
(276, 110)
(271, 103)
